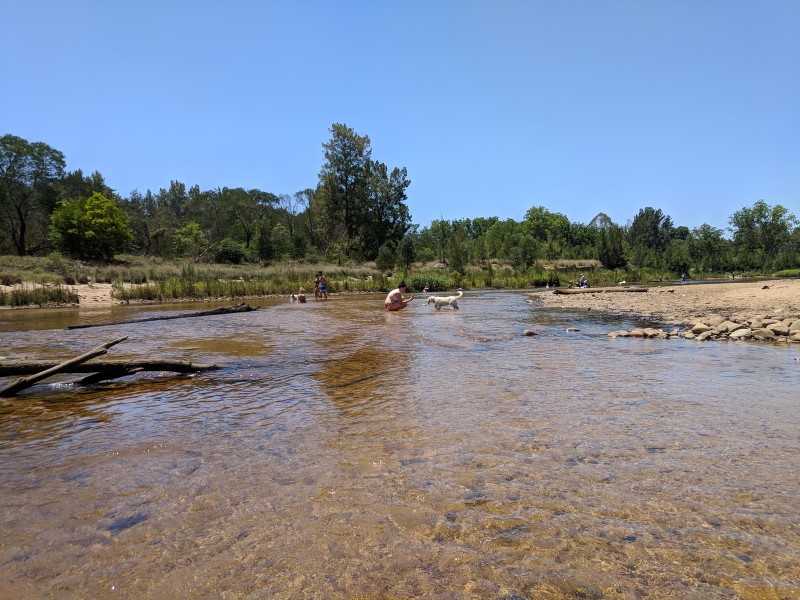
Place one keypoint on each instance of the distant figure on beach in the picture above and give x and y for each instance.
(395, 300)
(583, 283)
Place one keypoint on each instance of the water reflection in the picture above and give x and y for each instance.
(344, 452)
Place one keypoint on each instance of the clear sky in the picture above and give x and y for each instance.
(493, 106)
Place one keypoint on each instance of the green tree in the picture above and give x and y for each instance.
(676, 256)
(611, 247)
(649, 235)
(229, 251)
(547, 228)
(386, 258)
(406, 250)
(189, 240)
(361, 204)
(29, 173)
(760, 233)
(709, 250)
(75, 185)
(91, 228)
(343, 183)
(386, 218)
(265, 247)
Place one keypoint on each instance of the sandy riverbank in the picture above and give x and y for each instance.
(688, 303)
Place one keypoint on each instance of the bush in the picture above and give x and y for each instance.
(385, 260)
(229, 251)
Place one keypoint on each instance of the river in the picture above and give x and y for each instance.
(346, 452)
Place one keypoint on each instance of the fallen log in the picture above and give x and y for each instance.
(598, 290)
(223, 310)
(26, 367)
(26, 382)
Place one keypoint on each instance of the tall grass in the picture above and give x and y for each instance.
(38, 295)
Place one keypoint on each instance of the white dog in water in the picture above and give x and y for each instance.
(440, 301)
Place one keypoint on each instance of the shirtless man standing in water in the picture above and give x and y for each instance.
(395, 300)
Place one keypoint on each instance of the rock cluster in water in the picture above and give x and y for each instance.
(717, 327)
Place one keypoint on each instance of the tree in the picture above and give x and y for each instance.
(406, 252)
(708, 249)
(610, 247)
(649, 235)
(760, 233)
(29, 173)
(75, 185)
(362, 204)
(249, 209)
(189, 240)
(343, 180)
(386, 218)
(91, 228)
(546, 226)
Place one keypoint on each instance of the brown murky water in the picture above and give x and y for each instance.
(346, 452)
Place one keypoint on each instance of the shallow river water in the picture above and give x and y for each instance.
(346, 452)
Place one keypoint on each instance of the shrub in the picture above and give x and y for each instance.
(229, 251)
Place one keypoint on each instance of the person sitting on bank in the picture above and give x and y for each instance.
(395, 300)
(583, 283)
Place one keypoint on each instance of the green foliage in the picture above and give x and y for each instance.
(29, 176)
(788, 273)
(765, 237)
(406, 251)
(610, 247)
(434, 283)
(189, 240)
(357, 211)
(230, 251)
(386, 258)
(360, 204)
(91, 228)
(299, 247)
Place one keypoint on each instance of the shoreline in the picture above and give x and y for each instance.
(686, 304)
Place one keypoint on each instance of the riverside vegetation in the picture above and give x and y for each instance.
(51, 280)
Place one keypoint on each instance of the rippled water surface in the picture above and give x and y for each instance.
(347, 452)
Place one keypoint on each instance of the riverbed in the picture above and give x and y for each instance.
(346, 452)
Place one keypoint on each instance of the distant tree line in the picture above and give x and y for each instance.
(356, 212)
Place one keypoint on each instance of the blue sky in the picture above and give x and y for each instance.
(495, 106)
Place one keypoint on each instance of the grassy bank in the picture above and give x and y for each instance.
(40, 281)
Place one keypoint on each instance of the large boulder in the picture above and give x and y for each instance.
(699, 328)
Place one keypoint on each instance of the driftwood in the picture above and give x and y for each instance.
(26, 382)
(27, 367)
(223, 310)
(102, 370)
(597, 290)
